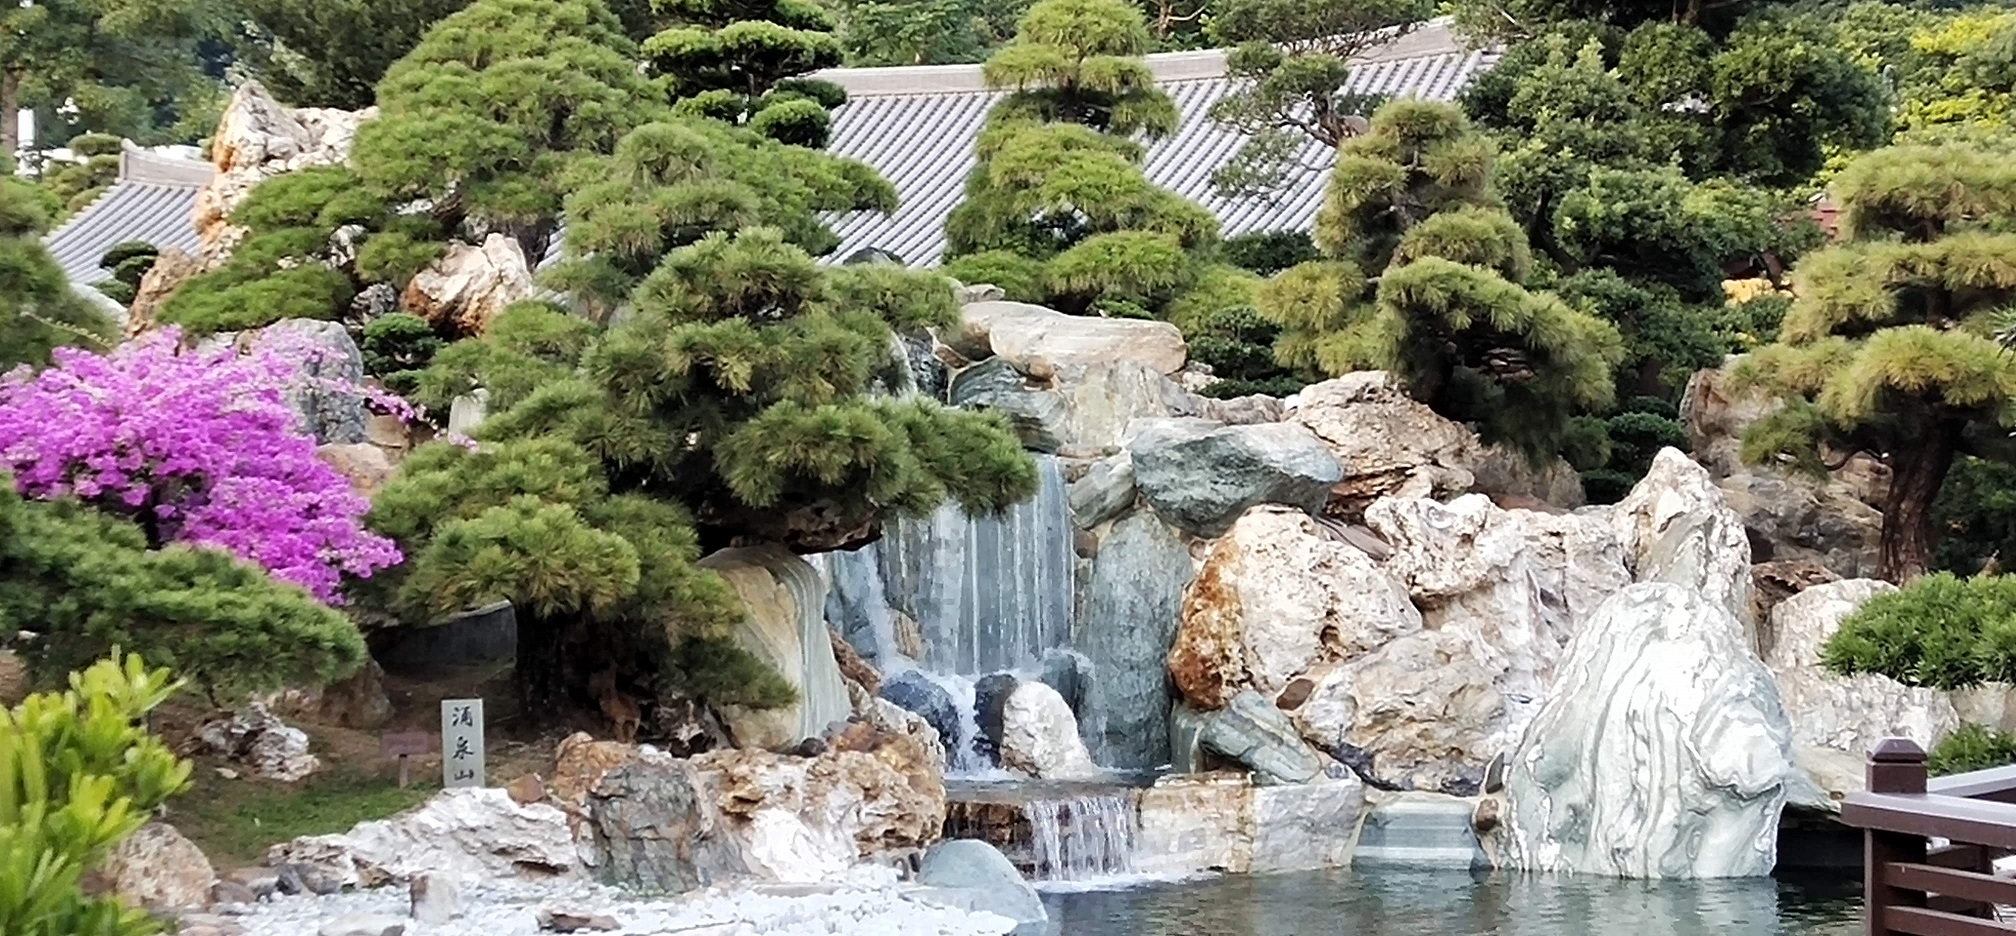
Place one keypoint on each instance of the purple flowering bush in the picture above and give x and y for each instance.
(197, 447)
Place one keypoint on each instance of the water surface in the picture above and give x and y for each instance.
(1396, 902)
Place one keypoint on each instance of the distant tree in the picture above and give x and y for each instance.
(1883, 351)
(914, 32)
(332, 53)
(115, 63)
(38, 310)
(1423, 276)
(744, 62)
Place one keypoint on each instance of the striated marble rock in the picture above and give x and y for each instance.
(981, 871)
(259, 138)
(1035, 413)
(1205, 822)
(1125, 630)
(1032, 337)
(266, 746)
(1846, 713)
(475, 833)
(1039, 736)
(1252, 732)
(1275, 597)
(1676, 527)
(466, 288)
(158, 868)
(1104, 492)
(1200, 475)
(1421, 830)
(1663, 752)
(786, 628)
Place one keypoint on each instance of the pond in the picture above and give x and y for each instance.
(1396, 902)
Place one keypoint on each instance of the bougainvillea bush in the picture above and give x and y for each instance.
(195, 446)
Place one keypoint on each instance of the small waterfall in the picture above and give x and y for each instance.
(1082, 839)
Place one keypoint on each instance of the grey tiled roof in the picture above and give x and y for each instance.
(917, 125)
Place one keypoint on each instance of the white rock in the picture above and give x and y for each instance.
(1845, 713)
(259, 740)
(1033, 337)
(1306, 826)
(1219, 822)
(364, 924)
(785, 627)
(1676, 527)
(1663, 752)
(1390, 444)
(158, 867)
(259, 138)
(1039, 735)
(435, 898)
(466, 288)
(473, 833)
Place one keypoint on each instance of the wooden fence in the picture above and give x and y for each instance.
(1913, 885)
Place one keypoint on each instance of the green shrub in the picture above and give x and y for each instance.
(127, 250)
(1940, 631)
(78, 773)
(397, 348)
(116, 290)
(1636, 437)
(1270, 252)
(1976, 512)
(1606, 486)
(1656, 406)
(1020, 278)
(1971, 747)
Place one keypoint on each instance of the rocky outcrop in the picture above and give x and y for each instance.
(1036, 340)
(172, 267)
(1104, 492)
(1252, 732)
(1037, 415)
(1039, 736)
(1662, 752)
(1796, 519)
(917, 693)
(1221, 822)
(257, 139)
(1200, 475)
(1132, 599)
(364, 465)
(474, 833)
(1274, 599)
(256, 739)
(1845, 713)
(158, 868)
(982, 878)
(465, 289)
(785, 627)
(1675, 527)
(357, 702)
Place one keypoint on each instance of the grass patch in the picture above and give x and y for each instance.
(234, 821)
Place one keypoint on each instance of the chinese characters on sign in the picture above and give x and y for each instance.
(461, 743)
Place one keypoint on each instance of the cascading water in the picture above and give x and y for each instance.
(1082, 839)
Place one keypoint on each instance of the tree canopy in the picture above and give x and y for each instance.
(38, 310)
(742, 62)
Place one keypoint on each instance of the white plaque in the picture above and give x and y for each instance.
(461, 743)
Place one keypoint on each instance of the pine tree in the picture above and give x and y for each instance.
(1884, 350)
(38, 311)
(743, 62)
(1423, 276)
(1059, 192)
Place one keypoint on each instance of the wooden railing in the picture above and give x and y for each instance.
(1912, 886)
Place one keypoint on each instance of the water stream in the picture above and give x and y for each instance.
(1082, 840)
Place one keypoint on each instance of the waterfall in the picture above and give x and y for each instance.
(1083, 838)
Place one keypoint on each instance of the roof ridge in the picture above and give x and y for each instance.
(140, 166)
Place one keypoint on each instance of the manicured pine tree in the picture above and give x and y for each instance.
(38, 311)
(1423, 277)
(744, 62)
(1886, 349)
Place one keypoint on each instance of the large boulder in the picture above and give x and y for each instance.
(1036, 414)
(1221, 822)
(918, 693)
(257, 740)
(1039, 736)
(1274, 599)
(984, 878)
(785, 627)
(1252, 732)
(1845, 713)
(463, 290)
(1200, 475)
(1797, 519)
(474, 833)
(1676, 527)
(328, 395)
(364, 465)
(1102, 400)
(259, 138)
(1125, 627)
(1033, 338)
(158, 868)
(1663, 751)
(1104, 492)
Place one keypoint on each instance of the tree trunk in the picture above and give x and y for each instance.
(1918, 468)
(10, 112)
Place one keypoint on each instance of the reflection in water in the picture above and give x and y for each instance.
(1397, 902)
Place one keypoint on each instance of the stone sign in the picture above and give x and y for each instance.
(461, 743)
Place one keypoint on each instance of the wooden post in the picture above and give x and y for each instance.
(1896, 766)
(404, 744)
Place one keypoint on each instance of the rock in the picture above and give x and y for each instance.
(853, 669)
(990, 707)
(364, 465)
(434, 898)
(916, 692)
(1663, 751)
(1773, 582)
(1420, 830)
(980, 292)
(260, 882)
(1846, 713)
(1252, 732)
(1306, 826)
(172, 267)
(232, 893)
(1039, 736)
(1125, 628)
(785, 628)
(1425, 712)
(1103, 401)
(1274, 599)
(1794, 519)
(1389, 444)
(157, 868)
(256, 139)
(1192, 823)
(364, 924)
(1037, 415)
(465, 289)
(472, 833)
(1031, 336)
(980, 869)
(1105, 492)
(1070, 673)
(580, 763)
(1245, 410)
(1675, 527)
(926, 374)
(576, 921)
(466, 412)
(1716, 416)
(326, 397)
(14, 679)
(1200, 475)
(257, 739)
(526, 790)
(358, 702)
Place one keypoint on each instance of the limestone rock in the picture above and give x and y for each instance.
(1716, 415)
(979, 869)
(434, 898)
(259, 138)
(785, 628)
(1103, 400)
(1128, 622)
(364, 465)
(331, 365)
(172, 267)
(473, 833)
(576, 921)
(1790, 519)
(1031, 336)
(980, 292)
(1425, 712)
(257, 739)
(13, 678)
(356, 702)
(1676, 527)
(466, 288)
(1663, 751)
(1039, 736)
(363, 924)
(1846, 713)
(1274, 599)
(1221, 822)
(1200, 476)
(1773, 582)
(915, 692)
(157, 868)
(1389, 444)
(1251, 731)
(1105, 492)
(580, 763)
